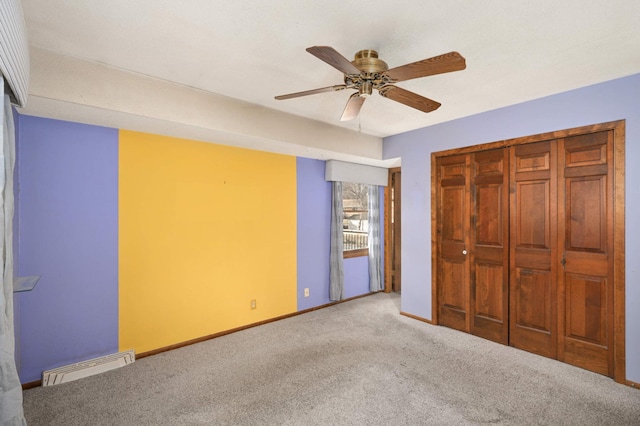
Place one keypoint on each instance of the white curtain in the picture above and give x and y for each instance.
(336, 274)
(11, 412)
(375, 258)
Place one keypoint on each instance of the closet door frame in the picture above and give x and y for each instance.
(618, 128)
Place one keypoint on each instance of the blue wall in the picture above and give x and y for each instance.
(314, 221)
(314, 226)
(68, 215)
(610, 101)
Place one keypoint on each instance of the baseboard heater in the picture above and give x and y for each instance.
(87, 368)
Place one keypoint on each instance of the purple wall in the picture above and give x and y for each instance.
(356, 276)
(610, 101)
(314, 221)
(68, 235)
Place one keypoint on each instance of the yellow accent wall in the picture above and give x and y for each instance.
(203, 230)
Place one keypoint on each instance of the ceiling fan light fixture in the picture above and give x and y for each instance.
(366, 88)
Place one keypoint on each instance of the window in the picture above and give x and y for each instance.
(355, 222)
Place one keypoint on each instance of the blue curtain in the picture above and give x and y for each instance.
(336, 278)
(375, 251)
(11, 412)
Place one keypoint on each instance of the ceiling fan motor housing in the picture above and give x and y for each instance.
(367, 61)
(371, 72)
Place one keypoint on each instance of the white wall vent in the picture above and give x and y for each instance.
(14, 50)
(87, 368)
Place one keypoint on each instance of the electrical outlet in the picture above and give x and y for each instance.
(253, 304)
(306, 292)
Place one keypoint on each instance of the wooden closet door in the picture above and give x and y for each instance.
(533, 251)
(586, 243)
(489, 242)
(452, 200)
(541, 266)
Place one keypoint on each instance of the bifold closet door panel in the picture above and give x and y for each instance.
(533, 248)
(525, 245)
(489, 242)
(453, 231)
(585, 237)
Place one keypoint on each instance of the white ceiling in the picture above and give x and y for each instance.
(253, 50)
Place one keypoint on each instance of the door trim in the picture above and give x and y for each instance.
(387, 232)
(618, 128)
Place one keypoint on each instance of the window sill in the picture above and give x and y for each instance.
(355, 253)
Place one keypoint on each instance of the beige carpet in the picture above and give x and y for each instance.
(356, 363)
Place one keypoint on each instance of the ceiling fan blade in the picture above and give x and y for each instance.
(313, 92)
(409, 98)
(352, 109)
(448, 62)
(333, 58)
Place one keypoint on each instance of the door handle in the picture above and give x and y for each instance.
(464, 252)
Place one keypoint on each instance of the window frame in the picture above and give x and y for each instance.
(361, 252)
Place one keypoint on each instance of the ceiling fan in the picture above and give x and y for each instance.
(366, 72)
